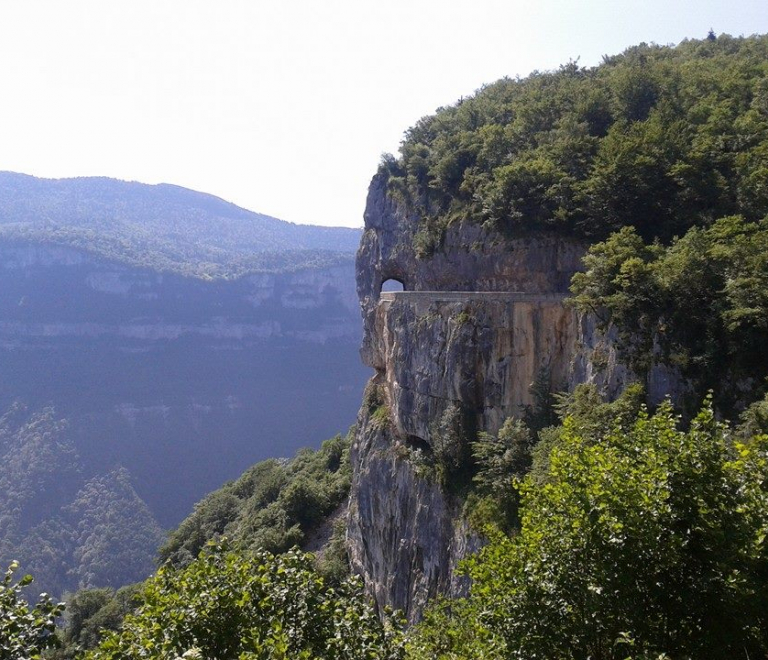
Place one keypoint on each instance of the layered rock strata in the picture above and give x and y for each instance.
(476, 323)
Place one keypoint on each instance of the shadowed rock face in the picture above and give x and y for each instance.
(479, 350)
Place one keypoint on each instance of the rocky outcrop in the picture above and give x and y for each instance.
(476, 324)
(478, 352)
(405, 534)
(471, 258)
(481, 353)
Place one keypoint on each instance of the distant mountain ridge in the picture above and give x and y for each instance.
(163, 227)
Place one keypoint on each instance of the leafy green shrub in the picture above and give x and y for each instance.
(272, 506)
(232, 607)
(304, 502)
(373, 397)
(426, 242)
(380, 417)
(25, 631)
(640, 542)
(333, 564)
(90, 613)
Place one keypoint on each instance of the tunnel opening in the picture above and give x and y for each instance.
(391, 285)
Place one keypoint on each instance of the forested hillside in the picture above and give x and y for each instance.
(68, 525)
(657, 138)
(274, 505)
(619, 531)
(607, 515)
(660, 143)
(163, 228)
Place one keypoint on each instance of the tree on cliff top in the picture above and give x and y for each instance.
(658, 138)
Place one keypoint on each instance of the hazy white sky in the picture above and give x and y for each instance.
(285, 107)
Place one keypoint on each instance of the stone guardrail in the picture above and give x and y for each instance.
(469, 296)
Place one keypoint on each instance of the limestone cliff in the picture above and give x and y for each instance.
(170, 374)
(61, 292)
(477, 321)
(475, 324)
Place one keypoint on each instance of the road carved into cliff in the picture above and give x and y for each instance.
(469, 296)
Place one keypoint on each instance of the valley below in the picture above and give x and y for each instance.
(184, 382)
(157, 383)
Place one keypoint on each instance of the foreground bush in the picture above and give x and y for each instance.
(25, 632)
(228, 606)
(639, 544)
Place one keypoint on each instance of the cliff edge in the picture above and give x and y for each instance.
(475, 324)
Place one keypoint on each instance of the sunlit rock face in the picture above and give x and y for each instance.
(470, 259)
(476, 324)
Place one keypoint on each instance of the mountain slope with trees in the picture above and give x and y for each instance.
(148, 331)
(657, 138)
(68, 525)
(161, 321)
(163, 227)
(275, 505)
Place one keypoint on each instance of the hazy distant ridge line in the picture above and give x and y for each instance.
(163, 227)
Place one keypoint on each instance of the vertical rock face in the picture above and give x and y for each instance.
(470, 259)
(475, 325)
(480, 354)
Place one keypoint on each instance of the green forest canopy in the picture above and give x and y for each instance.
(659, 138)
(274, 505)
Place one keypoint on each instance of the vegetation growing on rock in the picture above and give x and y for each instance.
(642, 541)
(273, 506)
(699, 304)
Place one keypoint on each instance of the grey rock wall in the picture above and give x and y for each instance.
(476, 324)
